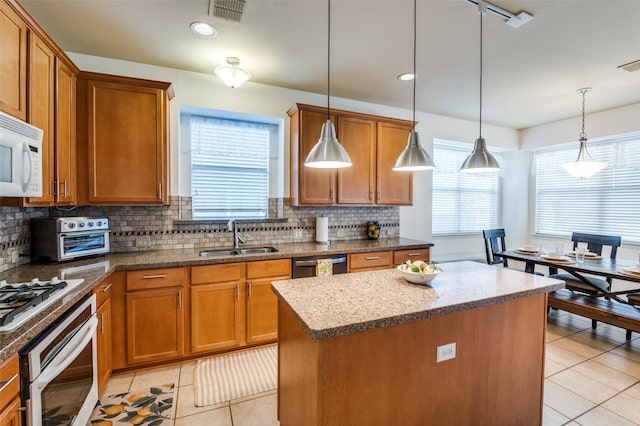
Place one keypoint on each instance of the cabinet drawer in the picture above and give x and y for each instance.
(9, 381)
(369, 260)
(217, 273)
(401, 256)
(102, 291)
(269, 268)
(156, 278)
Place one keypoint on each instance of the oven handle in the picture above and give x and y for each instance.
(68, 354)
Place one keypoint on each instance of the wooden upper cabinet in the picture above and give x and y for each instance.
(373, 144)
(311, 186)
(123, 140)
(65, 134)
(356, 184)
(13, 62)
(395, 188)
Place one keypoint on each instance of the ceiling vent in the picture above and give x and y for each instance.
(231, 10)
(631, 66)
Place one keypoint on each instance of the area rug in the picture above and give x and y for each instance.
(235, 375)
(151, 407)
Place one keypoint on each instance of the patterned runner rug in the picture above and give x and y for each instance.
(151, 407)
(235, 375)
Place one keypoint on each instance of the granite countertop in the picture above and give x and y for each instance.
(95, 270)
(342, 304)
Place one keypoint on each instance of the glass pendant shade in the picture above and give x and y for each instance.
(480, 160)
(231, 74)
(413, 158)
(584, 166)
(328, 153)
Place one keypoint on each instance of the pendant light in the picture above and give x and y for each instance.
(414, 158)
(231, 74)
(327, 152)
(584, 166)
(480, 160)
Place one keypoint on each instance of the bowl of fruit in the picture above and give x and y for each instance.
(418, 272)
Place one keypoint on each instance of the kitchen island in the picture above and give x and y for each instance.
(361, 349)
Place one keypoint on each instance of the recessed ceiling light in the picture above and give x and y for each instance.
(204, 29)
(406, 76)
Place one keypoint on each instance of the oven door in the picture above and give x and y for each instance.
(63, 388)
(86, 243)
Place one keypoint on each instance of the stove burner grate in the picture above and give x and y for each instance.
(19, 299)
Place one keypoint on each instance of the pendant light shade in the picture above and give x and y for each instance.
(231, 74)
(480, 160)
(414, 158)
(584, 166)
(327, 152)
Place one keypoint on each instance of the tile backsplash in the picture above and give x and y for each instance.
(138, 228)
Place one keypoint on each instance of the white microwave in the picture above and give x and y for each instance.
(20, 158)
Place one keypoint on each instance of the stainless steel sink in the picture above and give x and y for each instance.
(236, 252)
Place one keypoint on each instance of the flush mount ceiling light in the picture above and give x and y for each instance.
(231, 74)
(584, 166)
(203, 29)
(480, 160)
(327, 153)
(413, 158)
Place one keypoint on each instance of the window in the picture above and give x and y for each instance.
(606, 203)
(462, 202)
(229, 167)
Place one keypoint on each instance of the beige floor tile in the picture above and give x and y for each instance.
(607, 375)
(551, 417)
(118, 384)
(186, 406)
(250, 397)
(564, 401)
(186, 373)
(218, 417)
(569, 320)
(584, 344)
(601, 416)
(611, 332)
(583, 386)
(157, 376)
(625, 405)
(256, 412)
(629, 350)
(620, 363)
(562, 356)
(551, 367)
(557, 331)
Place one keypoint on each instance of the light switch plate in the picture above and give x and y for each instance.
(446, 352)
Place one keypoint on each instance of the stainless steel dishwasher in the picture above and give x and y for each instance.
(306, 266)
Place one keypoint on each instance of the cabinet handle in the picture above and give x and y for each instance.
(379, 196)
(6, 383)
(151, 277)
(237, 293)
(102, 323)
(249, 290)
(179, 298)
(372, 258)
(159, 190)
(413, 254)
(107, 287)
(64, 183)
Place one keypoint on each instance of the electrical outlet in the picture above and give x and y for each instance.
(297, 234)
(341, 233)
(15, 256)
(446, 352)
(143, 241)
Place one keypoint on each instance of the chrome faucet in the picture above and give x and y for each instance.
(237, 238)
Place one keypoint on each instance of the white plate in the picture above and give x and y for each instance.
(587, 255)
(527, 250)
(556, 258)
(631, 270)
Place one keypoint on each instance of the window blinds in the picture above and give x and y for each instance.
(229, 168)
(606, 203)
(462, 202)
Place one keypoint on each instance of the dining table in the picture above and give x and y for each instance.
(600, 266)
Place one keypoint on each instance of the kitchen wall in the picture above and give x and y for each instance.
(15, 238)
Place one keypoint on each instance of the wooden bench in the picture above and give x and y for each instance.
(597, 308)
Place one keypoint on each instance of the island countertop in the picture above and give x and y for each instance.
(342, 304)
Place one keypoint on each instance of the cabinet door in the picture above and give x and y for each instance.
(395, 188)
(126, 144)
(65, 144)
(11, 416)
(155, 325)
(13, 62)
(356, 183)
(216, 316)
(42, 66)
(315, 186)
(104, 344)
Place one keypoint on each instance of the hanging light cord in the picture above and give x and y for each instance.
(328, 56)
(583, 134)
(415, 8)
(481, 13)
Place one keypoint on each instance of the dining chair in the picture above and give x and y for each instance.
(494, 240)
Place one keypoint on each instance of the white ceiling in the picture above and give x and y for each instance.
(530, 73)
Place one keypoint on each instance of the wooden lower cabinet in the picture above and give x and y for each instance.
(10, 415)
(9, 393)
(103, 313)
(401, 256)
(360, 262)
